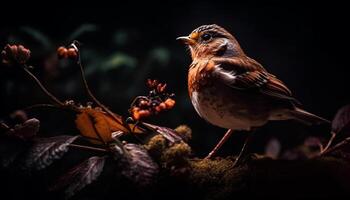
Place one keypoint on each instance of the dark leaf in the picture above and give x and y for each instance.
(80, 176)
(46, 150)
(27, 130)
(10, 148)
(341, 121)
(171, 135)
(141, 168)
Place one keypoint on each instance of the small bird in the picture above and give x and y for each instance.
(230, 90)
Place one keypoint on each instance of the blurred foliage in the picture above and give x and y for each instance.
(42, 39)
(82, 29)
(108, 69)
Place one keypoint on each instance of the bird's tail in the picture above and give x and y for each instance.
(306, 117)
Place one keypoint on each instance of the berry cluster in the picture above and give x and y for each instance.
(15, 54)
(158, 100)
(71, 52)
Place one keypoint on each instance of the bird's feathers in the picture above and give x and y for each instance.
(306, 117)
(247, 74)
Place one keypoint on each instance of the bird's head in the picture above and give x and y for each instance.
(211, 40)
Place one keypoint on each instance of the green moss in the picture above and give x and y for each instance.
(217, 178)
(185, 131)
(177, 155)
(156, 146)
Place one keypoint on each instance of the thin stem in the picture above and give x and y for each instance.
(320, 146)
(67, 107)
(336, 147)
(53, 98)
(329, 142)
(243, 150)
(4, 126)
(40, 106)
(137, 98)
(87, 148)
(113, 115)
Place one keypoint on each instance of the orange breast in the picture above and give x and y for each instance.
(199, 75)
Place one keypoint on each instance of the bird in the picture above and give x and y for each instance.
(230, 90)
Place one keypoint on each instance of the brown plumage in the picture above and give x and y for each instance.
(233, 91)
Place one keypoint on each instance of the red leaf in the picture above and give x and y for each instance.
(80, 176)
(46, 150)
(141, 169)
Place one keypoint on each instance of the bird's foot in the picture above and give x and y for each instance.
(210, 155)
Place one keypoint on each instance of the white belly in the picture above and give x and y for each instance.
(220, 116)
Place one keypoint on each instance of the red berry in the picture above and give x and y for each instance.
(135, 113)
(169, 103)
(144, 113)
(62, 52)
(72, 53)
(162, 106)
(158, 109)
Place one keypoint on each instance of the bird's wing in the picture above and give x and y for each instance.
(247, 74)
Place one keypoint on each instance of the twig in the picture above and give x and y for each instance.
(113, 115)
(329, 142)
(4, 126)
(243, 150)
(320, 146)
(40, 106)
(53, 98)
(87, 147)
(337, 146)
(137, 98)
(65, 106)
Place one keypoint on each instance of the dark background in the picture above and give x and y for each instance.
(305, 45)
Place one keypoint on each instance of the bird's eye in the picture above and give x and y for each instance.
(206, 37)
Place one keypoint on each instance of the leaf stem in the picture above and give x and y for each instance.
(68, 107)
(329, 143)
(88, 148)
(53, 98)
(4, 126)
(336, 147)
(109, 112)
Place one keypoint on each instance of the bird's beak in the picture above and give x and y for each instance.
(186, 40)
